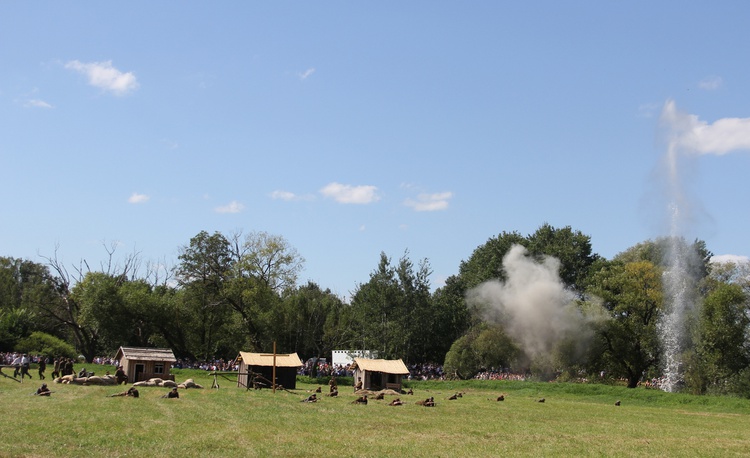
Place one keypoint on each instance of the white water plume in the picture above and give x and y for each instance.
(686, 136)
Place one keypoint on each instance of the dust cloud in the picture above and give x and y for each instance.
(532, 305)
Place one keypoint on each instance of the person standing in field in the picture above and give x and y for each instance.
(120, 375)
(16, 366)
(42, 367)
(56, 368)
(332, 386)
(25, 366)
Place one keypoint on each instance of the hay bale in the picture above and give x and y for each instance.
(67, 378)
(169, 383)
(156, 381)
(189, 383)
(94, 380)
(389, 392)
(109, 380)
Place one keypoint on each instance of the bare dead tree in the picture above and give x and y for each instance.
(65, 309)
(159, 273)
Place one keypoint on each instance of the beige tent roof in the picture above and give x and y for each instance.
(266, 359)
(393, 366)
(146, 354)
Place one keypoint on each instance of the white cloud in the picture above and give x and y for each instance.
(136, 198)
(429, 202)
(283, 195)
(289, 196)
(304, 75)
(730, 258)
(648, 110)
(690, 134)
(348, 194)
(104, 76)
(231, 207)
(711, 83)
(171, 144)
(36, 103)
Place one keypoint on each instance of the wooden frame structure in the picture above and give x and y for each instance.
(379, 374)
(142, 364)
(281, 368)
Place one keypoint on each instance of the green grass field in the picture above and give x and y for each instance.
(574, 420)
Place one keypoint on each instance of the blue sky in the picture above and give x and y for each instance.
(354, 128)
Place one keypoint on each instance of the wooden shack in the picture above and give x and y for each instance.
(379, 374)
(146, 363)
(287, 366)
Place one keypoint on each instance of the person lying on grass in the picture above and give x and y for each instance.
(43, 391)
(132, 392)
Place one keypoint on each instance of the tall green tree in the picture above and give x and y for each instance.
(312, 321)
(571, 248)
(451, 318)
(63, 307)
(234, 281)
(631, 294)
(203, 269)
(24, 286)
(393, 309)
(661, 251)
(264, 266)
(101, 309)
(722, 348)
(486, 262)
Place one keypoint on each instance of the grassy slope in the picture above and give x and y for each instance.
(574, 420)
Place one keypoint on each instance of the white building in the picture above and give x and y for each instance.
(344, 357)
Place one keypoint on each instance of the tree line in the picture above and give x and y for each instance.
(235, 292)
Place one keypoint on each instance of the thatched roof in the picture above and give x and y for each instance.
(146, 354)
(266, 359)
(393, 366)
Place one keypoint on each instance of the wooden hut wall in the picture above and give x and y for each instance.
(374, 380)
(148, 370)
(285, 376)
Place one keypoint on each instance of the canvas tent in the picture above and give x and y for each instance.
(378, 374)
(146, 363)
(287, 366)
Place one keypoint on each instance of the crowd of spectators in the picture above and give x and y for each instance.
(8, 358)
(219, 365)
(322, 368)
(503, 374)
(426, 371)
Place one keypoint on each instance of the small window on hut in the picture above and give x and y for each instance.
(159, 368)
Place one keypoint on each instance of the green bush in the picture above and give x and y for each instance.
(41, 343)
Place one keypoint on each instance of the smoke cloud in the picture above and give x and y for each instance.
(532, 304)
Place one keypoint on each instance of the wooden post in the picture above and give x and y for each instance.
(273, 377)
